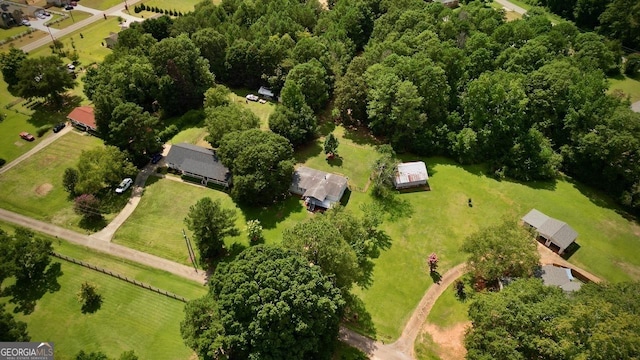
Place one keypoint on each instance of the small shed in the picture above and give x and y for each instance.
(111, 40)
(266, 93)
(198, 162)
(554, 231)
(411, 174)
(82, 117)
(559, 276)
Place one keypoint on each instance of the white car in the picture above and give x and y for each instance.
(252, 97)
(124, 185)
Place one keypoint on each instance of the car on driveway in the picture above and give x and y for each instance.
(68, 7)
(58, 127)
(41, 16)
(252, 97)
(25, 135)
(156, 158)
(25, 22)
(124, 185)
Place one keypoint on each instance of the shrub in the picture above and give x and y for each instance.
(88, 206)
(2, 162)
(632, 66)
(69, 180)
(43, 130)
(254, 231)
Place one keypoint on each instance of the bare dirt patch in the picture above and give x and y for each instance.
(450, 340)
(18, 143)
(44, 189)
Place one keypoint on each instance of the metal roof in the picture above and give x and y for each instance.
(558, 276)
(535, 218)
(410, 172)
(84, 115)
(559, 232)
(318, 184)
(197, 160)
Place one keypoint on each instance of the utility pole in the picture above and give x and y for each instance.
(53, 41)
(190, 250)
(71, 13)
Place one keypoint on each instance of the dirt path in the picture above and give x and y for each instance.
(104, 246)
(450, 340)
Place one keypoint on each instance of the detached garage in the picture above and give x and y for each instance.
(411, 174)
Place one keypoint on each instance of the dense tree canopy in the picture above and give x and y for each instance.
(261, 163)
(43, 77)
(506, 249)
(222, 120)
(288, 309)
(10, 63)
(100, 168)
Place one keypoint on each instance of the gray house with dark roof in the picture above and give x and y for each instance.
(318, 188)
(554, 231)
(198, 162)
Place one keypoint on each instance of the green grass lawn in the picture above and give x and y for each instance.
(346, 352)
(34, 187)
(156, 224)
(77, 16)
(7, 33)
(101, 4)
(424, 347)
(36, 35)
(183, 5)
(89, 46)
(628, 86)
(130, 318)
(449, 310)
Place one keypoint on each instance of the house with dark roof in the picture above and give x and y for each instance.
(561, 277)
(266, 93)
(111, 40)
(83, 118)
(410, 174)
(554, 231)
(198, 162)
(318, 188)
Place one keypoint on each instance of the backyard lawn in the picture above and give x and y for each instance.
(449, 310)
(34, 187)
(130, 318)
(77, 16)
(24, 40)
(627, 85)
(101, 4)
(183, 6)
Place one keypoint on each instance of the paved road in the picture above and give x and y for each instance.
(42, 143)
(98, 16)
(104, 246)
(510, 6)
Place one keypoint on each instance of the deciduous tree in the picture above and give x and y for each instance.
(43, 77)
(10, 63)
(100, 168)
(210, 224)
(222, 120)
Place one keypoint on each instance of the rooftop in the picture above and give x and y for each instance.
(558, 276)
(558, 231)
(83, 115)
(197, 160)
(411, 172)
(319, 184)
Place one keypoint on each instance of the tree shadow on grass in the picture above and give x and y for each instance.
(326, 127)
(357, 317)
(335, 161)
(270, 216)
(395, 207)
(308, 151)
(229, 254)
(51, 114)
(25, 293)
(435, 276)
(93, 223)
(360, 136)
(92, 306)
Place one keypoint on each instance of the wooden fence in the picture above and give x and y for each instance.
(121, 277)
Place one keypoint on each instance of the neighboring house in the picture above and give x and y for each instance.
(558, 276)
(411, 174)
(266, 93)
(449, 3)
(58, 3)
(552, 230)
(318, 188)
(198, 162)
(83, 118)
(111, 40)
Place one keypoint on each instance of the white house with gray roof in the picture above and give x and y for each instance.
(198, 162)
(554, 231)
(318, 188)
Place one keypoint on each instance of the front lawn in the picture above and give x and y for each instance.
(24, 40)
(77, 16)
(183, 6)
(626, 85)
(101, 4)
(130, 318)
(449, 310)
(34, 187)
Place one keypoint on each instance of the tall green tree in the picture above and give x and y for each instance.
(43, 77)
(210, 224)
(330, 145)
(217, 95)
(100, 168)
(10, 329)
(506, 249)
(202, 328)
(222, 120)
(135, 131)
(213, 47)
(620, 21)
(10, 63)
(311, 77)
(288, 309)
(261, 163)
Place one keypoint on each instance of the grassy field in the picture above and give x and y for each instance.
(7, 33)
(509, 15)
(77, 16)
(156, 225)
(130, 318)
(425, 347)
(100, 4)
(628, 86)
(448, 310)
(182, 5)
(36, 35)
(34, 187)
(89, 46)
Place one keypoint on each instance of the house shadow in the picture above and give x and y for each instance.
(357, 317)
(24, 294)
(345, 197)
(271, 215)
(570, 250)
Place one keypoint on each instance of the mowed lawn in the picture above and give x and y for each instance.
(156, 224)
(89, 46)
(101, 4)
(130, 318)
(449, 310)
(183, 6)
(628, 86)
(34, 187)
(77, 16)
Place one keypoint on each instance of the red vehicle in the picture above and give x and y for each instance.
(25, 135)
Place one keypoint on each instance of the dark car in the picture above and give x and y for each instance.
(58, 127)
(68, 7)
(156, 158)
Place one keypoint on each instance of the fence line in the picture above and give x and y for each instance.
(121, 277)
